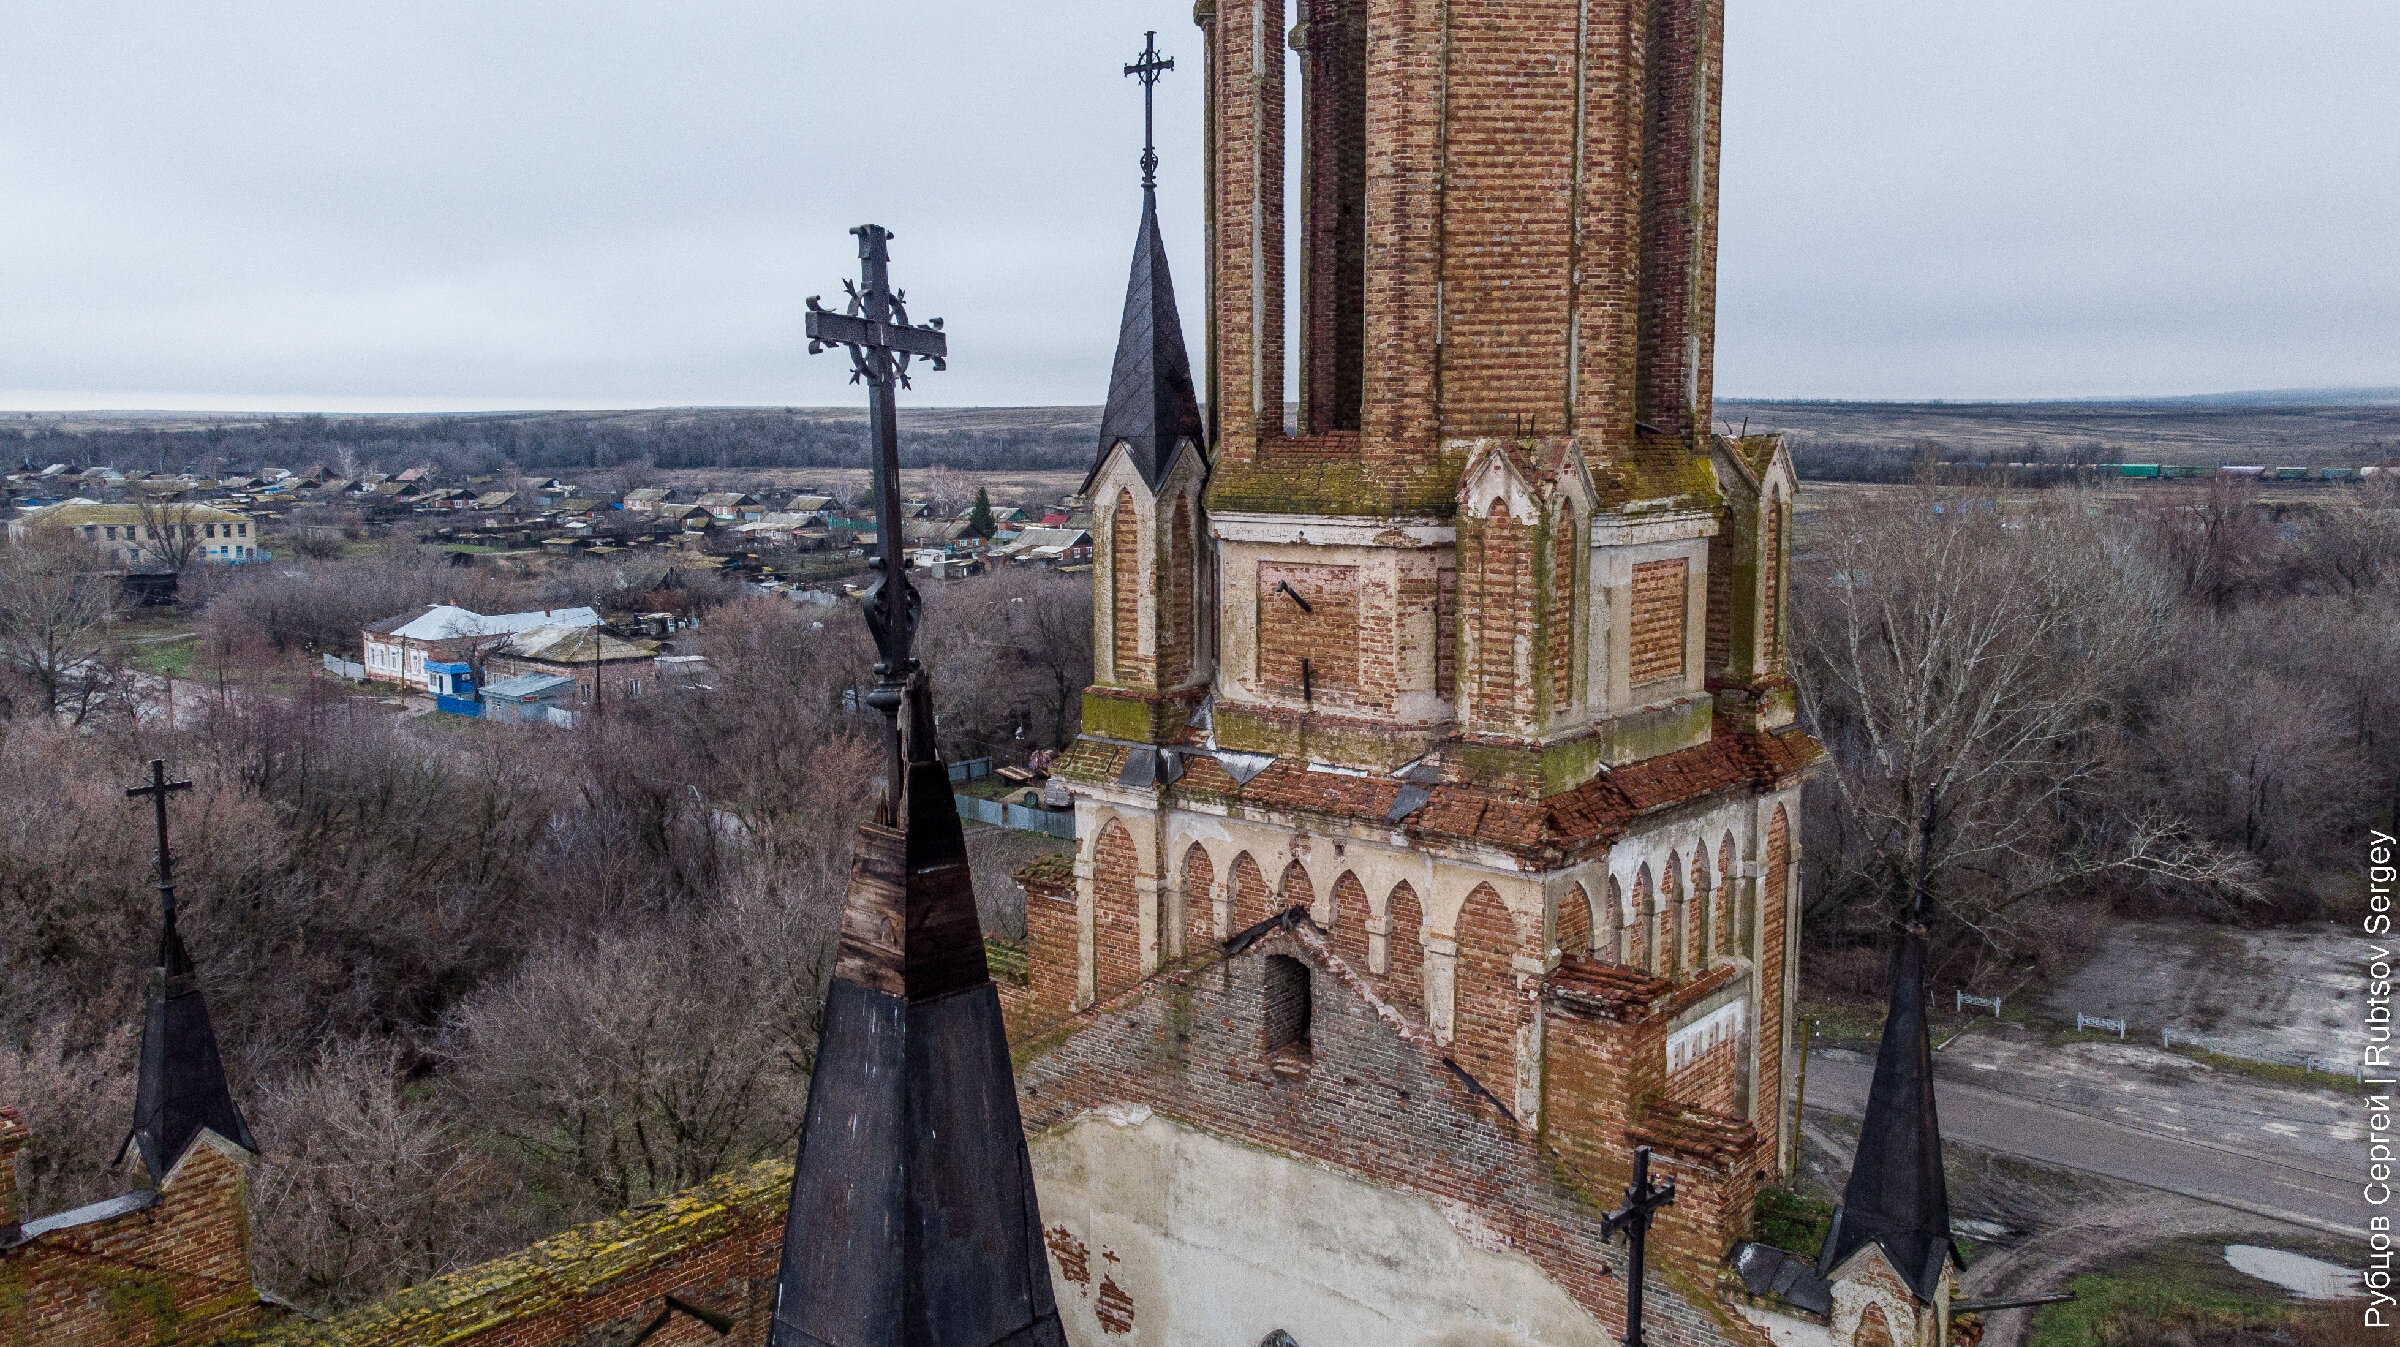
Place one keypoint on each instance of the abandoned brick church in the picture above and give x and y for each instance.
(1436, 797)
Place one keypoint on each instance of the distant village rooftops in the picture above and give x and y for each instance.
(574, 645)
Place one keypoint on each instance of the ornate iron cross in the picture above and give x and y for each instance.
(882, 342)
(158, 790)
(1642, 1202)
(1147, 70)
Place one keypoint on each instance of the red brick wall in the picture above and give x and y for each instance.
(180, 1267)
(1734, 939)
(1560, 608)
(1770, 977)
(1295, 890)
(1350, 916)
(1250, 898)
(1498, 606)
(1770, 565)
(1372, 1104)
(1641, 934)
(1615, 947)
(1116, 910)
(1199, 900)
(1718, 641)
(1325, 633)
(1656, 629)
(1333, 171)
(1710, 1080)
(1175, 631)
(1125, 592)
(1052, 961)
(716, 1247)
(1489, 1006)
(1445, 633)
(1404, 951)
(1575, 921)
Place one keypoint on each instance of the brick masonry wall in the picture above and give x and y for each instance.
(177, 1271)
(1325, 633)
(1125, 595)
(1053, 964)
(1712, 1080)
(1175, 634)
(716, 1246)
(1657, 626)
(1199, 900)
(1770, 978)
(1575, 921)
(1489, 1006)
(1497, 607)
(1116, 910)
(1250, 897)
(1332, 337)
(1351, 913)
(1565, 543)
(1372, 1101)
(1403, 981)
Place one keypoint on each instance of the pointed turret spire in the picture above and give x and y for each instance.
(1152, 408)
(182, 1089)
(913, 1221)
(1897, 1196)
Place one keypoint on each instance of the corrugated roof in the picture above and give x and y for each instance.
(444, 622)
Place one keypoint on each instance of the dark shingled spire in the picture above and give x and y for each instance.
(1897, 1196)
(182, 1088)
(913, 1218)
(1152, 409)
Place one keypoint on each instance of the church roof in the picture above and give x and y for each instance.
(1897, 1196)
(913, 1217)
(1152, 409)
(181, 1090)
(1602, 808)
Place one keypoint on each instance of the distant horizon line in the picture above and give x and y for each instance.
(2331, 396)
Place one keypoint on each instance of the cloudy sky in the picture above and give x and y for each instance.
(481, 205)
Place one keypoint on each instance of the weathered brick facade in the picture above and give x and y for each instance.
(159, 1266)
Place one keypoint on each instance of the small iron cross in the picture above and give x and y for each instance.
(882, 342)
(1147, 70)
(1642, 1202)
(158, 790)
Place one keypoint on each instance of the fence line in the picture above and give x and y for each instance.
(2083, 1022)
(1991, 1003)
(1016, 816)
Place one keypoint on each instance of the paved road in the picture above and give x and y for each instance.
(2306, 1187)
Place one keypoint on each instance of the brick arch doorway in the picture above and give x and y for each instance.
(1250, 897)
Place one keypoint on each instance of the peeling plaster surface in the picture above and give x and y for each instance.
(1165, 1236)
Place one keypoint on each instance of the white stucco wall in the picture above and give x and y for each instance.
(1190, 1240)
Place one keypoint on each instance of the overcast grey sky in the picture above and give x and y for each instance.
(454, 205)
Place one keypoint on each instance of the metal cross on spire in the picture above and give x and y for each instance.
(882, 343)
(170, 949)
(1147, 70)
(1642, 1202)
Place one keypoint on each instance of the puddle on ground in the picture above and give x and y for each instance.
(2305, 1277)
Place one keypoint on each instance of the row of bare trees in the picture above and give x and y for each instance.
(2046, 706)
(474, 981)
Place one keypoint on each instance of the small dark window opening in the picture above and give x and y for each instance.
(1284, 1027)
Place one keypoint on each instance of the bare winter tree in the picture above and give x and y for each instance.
(1963, 667)
(170, 537)
(364, 1191)
(626, 1065)
(56, 618)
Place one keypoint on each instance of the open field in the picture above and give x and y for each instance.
(2181, 431)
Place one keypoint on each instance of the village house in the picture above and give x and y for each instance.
(586, 654)
(652, 497)
(732, 506)
(1048, 547)
(398, 648)
(128, 535)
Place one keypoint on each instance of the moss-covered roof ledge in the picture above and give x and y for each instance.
(576, 1267)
